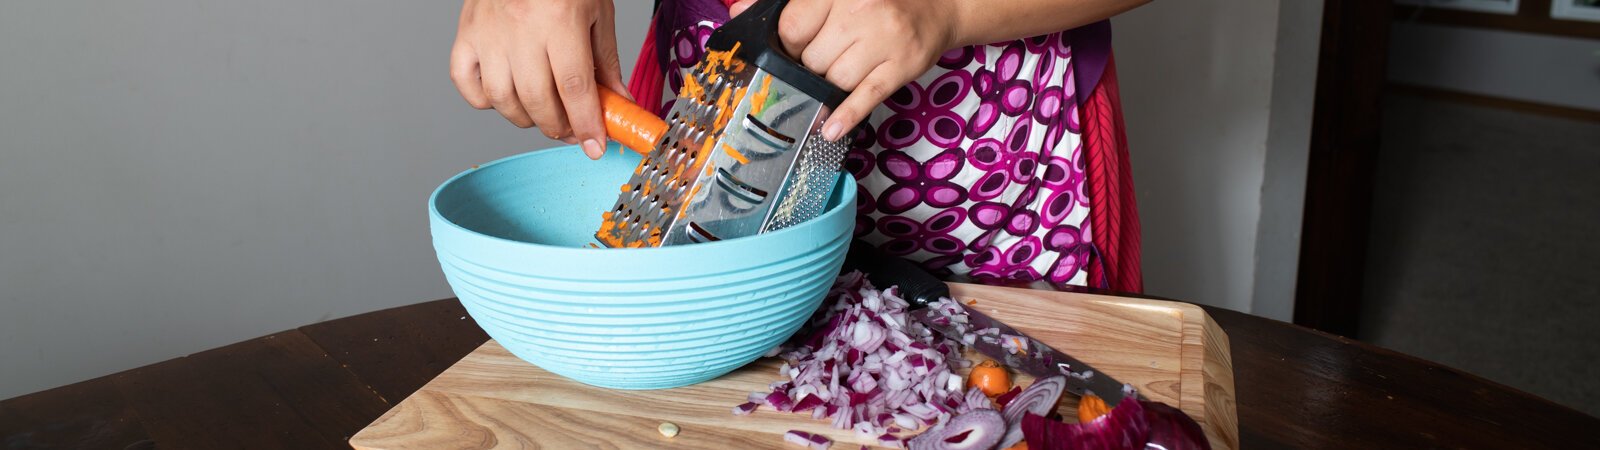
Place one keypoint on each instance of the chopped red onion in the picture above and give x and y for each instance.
(975, 400)
(780, 401)
(745, 409)
(862, 364)
(807, 440)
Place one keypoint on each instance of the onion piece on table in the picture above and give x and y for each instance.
(745, 409)
(807, 440)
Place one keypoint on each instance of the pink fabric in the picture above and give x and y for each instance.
(1113, 212)
(645, 83)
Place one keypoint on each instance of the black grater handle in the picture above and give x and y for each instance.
(756, 32)
(917, 286)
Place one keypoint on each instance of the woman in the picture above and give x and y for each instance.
(987, 141)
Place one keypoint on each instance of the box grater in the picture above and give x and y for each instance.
(743, 151)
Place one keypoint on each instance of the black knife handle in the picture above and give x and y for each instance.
(917, 286)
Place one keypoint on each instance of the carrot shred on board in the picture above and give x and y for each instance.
(972, 302)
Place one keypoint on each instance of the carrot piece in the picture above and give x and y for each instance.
(630, 125)
(990, 378)
(1091, 407)
(735, 154)
(759, 101)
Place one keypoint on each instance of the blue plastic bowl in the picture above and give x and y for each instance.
(510, 237)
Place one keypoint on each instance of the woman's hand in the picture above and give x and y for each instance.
(868, 47)
(537, 62)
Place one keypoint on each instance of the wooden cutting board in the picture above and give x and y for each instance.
(1172, 352)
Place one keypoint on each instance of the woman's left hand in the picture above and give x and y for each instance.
(869, 47)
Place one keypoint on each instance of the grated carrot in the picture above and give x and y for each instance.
(735, 154)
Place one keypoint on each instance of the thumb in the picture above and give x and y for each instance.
(738, 7)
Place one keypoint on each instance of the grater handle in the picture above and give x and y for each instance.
(629, 124)
(756, 32)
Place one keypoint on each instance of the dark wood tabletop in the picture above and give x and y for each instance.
(314, 386)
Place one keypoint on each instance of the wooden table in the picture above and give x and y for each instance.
(314, 386)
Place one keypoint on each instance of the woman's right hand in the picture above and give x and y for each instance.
(538, 63)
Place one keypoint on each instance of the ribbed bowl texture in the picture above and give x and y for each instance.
(511, 235)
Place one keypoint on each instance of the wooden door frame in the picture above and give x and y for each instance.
(1345, 128)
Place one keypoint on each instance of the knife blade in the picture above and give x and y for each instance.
(920, 289)
(991, 337)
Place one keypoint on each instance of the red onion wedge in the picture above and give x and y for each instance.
(807, 440)
(1172, 429)
(1124, 428)
(978, 429)
(1040, 398)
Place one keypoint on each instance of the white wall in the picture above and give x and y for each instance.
(1283, 189)
(178, 175)
(1198, 85)
(1553, 70)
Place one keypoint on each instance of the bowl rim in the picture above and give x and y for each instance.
(846, 205)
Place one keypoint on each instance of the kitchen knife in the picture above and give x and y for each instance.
(920, 289)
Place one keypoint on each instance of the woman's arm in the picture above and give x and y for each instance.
(982, 22)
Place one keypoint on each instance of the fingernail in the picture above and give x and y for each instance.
(592, 148)
(833, 131)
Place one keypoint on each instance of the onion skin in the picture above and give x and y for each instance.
(1125, 428)
(1001, 401)
(1171, 429)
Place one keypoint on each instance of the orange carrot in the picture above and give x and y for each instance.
(1091, 407)
(630, 125)
(990, 378)
(735, 154)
